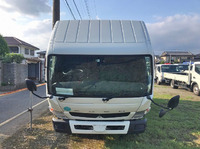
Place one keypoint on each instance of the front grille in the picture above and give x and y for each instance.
(115, 127)
(83, 127)
(90, 127)
(89, 115)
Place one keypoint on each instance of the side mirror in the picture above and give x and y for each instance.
(173, 102)
(162, 113)
(31, 85)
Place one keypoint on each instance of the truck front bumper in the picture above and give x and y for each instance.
(99, 127)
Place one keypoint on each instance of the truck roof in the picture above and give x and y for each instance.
(99, 37)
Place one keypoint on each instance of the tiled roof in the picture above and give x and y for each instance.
(177, 53)
(42, 52)
(15, 41)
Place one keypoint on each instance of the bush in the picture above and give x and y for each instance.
(13, 57)
(162, 62)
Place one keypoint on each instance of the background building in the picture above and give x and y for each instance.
(177, 56)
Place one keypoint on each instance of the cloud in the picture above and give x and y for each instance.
(26, 7)
(178, 32)
(38, 33)
(97, 17)
(34, 30)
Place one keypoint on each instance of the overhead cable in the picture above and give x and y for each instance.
(87, 8)
(70, 9)
(77, 9)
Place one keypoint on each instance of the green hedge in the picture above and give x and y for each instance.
(13, 57)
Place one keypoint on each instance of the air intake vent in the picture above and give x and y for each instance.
(88, 115)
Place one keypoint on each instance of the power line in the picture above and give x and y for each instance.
(70, 9)
(95, 8)
(83, 9)
(77, 9)
(87, 8)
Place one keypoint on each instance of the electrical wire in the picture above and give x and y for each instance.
(70, 9)
(87, 8)
(77, 9)
(95, 8)
(82, 9)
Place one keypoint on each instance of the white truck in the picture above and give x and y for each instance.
(189, 78)
(100, 77)
(161, 69)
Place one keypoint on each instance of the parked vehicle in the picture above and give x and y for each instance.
(161, 69)
(189, 78)
(100, 77)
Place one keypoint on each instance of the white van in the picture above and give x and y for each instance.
(100, 77)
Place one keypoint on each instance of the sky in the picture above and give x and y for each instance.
(172, 24)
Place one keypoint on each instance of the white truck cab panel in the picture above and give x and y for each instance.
(100, 73)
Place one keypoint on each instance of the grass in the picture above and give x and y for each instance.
(178, 129)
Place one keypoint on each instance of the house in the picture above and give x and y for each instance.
(197, 57)
(42, 55)
(28, 51)
(157, 59)
(177, 56)
(18, 46)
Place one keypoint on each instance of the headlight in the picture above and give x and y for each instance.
(58, 114)
(140, 114)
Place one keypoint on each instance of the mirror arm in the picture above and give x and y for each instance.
(40, 96)
(148, 97)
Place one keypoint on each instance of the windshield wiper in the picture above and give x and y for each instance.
(63, 97)
(106, 99)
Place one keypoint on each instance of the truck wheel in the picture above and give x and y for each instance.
(196, 90)
(158, 82)
(172, 84)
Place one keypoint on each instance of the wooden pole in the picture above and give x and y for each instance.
(56, 12)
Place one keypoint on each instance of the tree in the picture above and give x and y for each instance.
(3, 47)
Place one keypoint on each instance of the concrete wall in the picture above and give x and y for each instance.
(13, 76)
(0, 72)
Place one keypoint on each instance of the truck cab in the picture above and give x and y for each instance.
(195, 78)
(99, 76)
(188, 78)
(160, 69)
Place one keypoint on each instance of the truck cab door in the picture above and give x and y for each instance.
(196, 74)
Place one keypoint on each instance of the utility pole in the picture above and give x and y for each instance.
(56, 12)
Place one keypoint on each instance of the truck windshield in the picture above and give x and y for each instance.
(100, 76)
(174, 68)
(183, 67)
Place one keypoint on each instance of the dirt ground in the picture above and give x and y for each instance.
(184, 93)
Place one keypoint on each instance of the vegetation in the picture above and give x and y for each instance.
(178, 129)
(162, 62)
(3, 47)
(13, 57)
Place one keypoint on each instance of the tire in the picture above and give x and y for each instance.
(172, 84)
(158, 82)
(196, 90)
